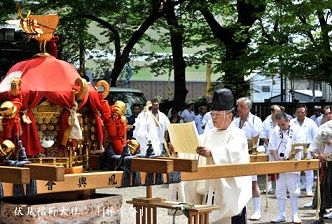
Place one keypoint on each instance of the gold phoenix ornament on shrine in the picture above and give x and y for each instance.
(39, 27)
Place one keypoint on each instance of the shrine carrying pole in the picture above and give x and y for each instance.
(206, 172)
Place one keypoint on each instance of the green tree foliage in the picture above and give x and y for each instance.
(292, 38)
(75, 40)
(221, 30)
(230, 22)
(7, 7)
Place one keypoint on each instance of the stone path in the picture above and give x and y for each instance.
(128, 214)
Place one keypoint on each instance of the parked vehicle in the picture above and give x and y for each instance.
(128, 96)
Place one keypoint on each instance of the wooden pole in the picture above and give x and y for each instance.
(319, 199)
(266, 192)
(154, 215)
(149, 191)
(138, 214)
(208, 78)
(206, 172)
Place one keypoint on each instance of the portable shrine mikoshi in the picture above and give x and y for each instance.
(58, 117)
(56, 120)
(53, 112)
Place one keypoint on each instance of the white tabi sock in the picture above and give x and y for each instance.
(257, 205)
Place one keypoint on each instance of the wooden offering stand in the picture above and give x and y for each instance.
(146, 207)
(199, 214)
(259, 158)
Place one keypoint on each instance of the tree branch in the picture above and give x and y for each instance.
(218, 31)
(267, 36)
(107, 25)
(248, 12)
(156, 12)
(309, 34)
(325, 32)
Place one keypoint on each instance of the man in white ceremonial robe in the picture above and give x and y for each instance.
(225, 144)
(151, 125)
(252, 126)
(308, 129)
(281, 139)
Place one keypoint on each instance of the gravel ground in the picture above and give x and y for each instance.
(128, 215)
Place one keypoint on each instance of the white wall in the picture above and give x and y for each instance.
(257, 84)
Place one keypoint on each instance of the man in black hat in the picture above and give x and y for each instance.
(225, 144)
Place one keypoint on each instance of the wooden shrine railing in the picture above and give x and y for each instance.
(51, 179)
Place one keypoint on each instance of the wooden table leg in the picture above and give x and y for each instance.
(196, 219)
(144, 215)
(138, 214)
(149, 209)
(154, 215)
(206, 218)
(190, 219)
(201, 219)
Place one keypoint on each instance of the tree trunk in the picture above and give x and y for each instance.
(82, 57)
(326, 64)
(233, 78)
(119, 64)
(176, 32)
(247, 14)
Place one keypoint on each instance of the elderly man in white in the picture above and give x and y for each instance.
(225, 144)
(321, 148)
(281, 139)
(308, 129)
(252, 126)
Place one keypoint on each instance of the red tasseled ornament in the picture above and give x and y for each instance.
(52, 46)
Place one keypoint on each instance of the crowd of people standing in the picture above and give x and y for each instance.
(274, 136)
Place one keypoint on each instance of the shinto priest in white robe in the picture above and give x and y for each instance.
(231, 194)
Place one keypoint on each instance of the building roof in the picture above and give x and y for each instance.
(308, 92)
